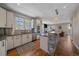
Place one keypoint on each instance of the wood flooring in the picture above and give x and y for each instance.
(12, 52)
(65, 47)
(30, 52)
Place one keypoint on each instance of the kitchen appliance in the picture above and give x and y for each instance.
(34, 34)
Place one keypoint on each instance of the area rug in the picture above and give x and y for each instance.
(24, 48)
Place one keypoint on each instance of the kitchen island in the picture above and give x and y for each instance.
(44, 42)
(48, 42)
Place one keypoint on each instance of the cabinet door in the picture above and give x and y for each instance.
(24, 39)
(17, 40)
(29, 37)
(44, 43)
(2, 48)
(10, 18)
(9, 43)
(2, 17)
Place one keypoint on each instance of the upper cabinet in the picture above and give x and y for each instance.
(2, 17)
(10, 19)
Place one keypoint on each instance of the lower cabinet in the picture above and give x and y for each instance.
(29, 37)
(24, 39)
(2, 48)
(44, 43)
(17, 40)
(9, 42)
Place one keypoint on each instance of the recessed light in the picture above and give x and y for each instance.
(64, 7)
(18, 4)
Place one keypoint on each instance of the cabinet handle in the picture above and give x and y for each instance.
(2, 43)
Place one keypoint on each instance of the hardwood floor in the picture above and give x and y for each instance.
(65, 47)
(12, 52)
(30, 52)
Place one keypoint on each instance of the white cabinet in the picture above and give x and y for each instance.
(44, 43)
(29, 37)
(17, 40)
(2, 48)
(10, 19)
(2, 17)
(9, 42)
(24, 38)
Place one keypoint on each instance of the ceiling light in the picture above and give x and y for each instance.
(18, 4)
(64, 6)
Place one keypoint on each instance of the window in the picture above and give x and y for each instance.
(28, 24)
(19, 23)
(23, 23)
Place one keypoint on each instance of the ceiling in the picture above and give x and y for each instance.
(46, 10)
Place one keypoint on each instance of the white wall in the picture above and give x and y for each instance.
(75, 30)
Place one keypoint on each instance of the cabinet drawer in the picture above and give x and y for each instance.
(24, 39)
(17, 41)
(29, 37)
(9, 43)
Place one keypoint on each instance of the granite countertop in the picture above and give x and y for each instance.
(19, 34)
(44, 35)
